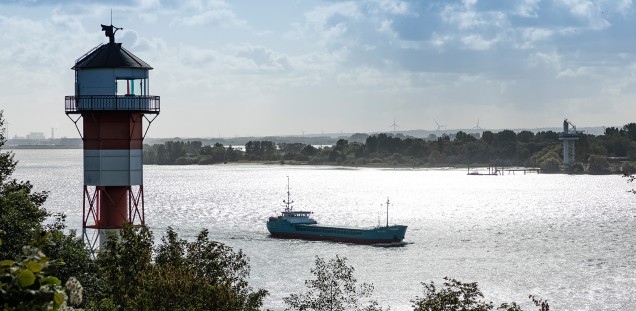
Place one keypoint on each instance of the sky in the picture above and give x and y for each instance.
(293, 67)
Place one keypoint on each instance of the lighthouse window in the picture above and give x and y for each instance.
(131, 86)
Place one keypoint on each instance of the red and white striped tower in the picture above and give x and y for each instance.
(111, 96)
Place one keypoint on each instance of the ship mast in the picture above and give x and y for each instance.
(387, 211)
(288, 208)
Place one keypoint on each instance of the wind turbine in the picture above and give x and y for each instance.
(439, 127)
(394, 125)
(477, 126)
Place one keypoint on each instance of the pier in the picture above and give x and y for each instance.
(535, 170)
(496, 171)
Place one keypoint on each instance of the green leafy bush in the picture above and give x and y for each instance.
(334, 288)
(29, 284)
(198, 275)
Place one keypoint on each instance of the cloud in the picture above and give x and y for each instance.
(623, 6)
(263, 59)
(461, 16)
(587, 11)
(157, 45)
(216, 17)
(582, 8)
(395, 7)
(386, 27)
(528, 37)
(476, 42)
(373, 79)
(573, 72)
(551, 59)
(330, 23)
(440, 41)
(528, 8)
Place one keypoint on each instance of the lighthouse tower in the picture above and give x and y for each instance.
(569, 137)
(112, 98)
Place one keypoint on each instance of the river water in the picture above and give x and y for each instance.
(568, 239)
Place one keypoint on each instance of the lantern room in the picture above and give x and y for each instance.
(111, 78)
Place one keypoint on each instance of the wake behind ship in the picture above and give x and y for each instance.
(299, 225)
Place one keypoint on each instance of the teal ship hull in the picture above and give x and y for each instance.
(282, 228)
(298, 225)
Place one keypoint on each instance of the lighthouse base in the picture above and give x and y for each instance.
(107, 209)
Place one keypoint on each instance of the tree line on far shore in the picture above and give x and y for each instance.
(541, 150)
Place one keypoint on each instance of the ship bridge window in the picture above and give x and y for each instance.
(132, 86)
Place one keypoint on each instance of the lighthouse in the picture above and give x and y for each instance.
(569, 137)
(111, 99)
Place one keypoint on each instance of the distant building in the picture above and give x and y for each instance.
(35, 135)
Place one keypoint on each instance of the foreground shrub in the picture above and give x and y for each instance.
(333, 288)
(28, 283)
(198, 275)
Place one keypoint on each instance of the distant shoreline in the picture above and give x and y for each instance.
(43, 147)
(476, 169)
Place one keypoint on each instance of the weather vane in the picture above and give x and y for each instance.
(110, 31)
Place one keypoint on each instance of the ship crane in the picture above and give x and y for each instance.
(569, 136)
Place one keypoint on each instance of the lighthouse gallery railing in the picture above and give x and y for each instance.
(83, 103)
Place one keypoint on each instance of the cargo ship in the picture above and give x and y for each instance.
(299, 225)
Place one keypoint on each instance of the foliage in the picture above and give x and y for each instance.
(547, 160)
(577, 168)
(190, 152)
(214, 267)
(525, 136)
(453, 296)
(198, 275)
(217, 154)
(628, 168)
(28, 283)
(550, 165)
(456, 296)
(598, 164)
(334, 288)
(20, 207)
(25, 238)
(70, 248)
(122, 265)
(261, 150)
(22, 214)
(464, 137)
(542, 304)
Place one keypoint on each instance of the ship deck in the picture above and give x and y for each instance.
(337, 227)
